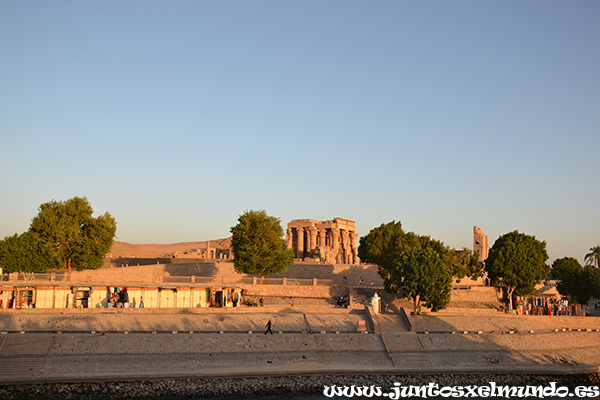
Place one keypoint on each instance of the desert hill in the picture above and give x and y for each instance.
(129, 250)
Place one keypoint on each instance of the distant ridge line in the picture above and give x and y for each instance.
(125, 249)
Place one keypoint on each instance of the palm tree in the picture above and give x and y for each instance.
(593, 258)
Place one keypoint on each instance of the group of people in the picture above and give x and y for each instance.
(225, 298)
(119, 298)
(254, 303)
(344, 301)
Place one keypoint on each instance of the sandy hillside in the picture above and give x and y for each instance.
(124, 249)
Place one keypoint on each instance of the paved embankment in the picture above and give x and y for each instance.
(147, 346)
(242, 319)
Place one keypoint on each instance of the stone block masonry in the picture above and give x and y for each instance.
(330, 242)
(323, 292)
(480, 243)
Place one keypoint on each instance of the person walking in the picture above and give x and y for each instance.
(268, 328)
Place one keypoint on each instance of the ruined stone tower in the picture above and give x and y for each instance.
(480, 243)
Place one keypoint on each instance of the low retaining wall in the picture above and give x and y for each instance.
(408, 319)
(323, 292)
(372, 324)
(474, 293)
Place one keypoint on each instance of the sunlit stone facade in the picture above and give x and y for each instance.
(331, 242)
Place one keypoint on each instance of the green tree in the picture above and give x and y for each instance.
(258, 245)
(593, 257)
(576, 283)
(465, 263)
(418, 266)
(77, 239)
(517, 261)
(594, 277)
(424, 277)
(23, 253)
(384, 245)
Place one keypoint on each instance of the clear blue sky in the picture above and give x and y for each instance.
(177, 116)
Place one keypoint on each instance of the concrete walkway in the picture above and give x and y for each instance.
(77, 354)
(77, 357)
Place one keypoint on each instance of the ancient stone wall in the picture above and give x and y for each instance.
(330, 242)
(480, 243)
(295, 291)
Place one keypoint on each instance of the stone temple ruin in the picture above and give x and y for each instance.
(213, 250)
(329, 242)
(480, 243)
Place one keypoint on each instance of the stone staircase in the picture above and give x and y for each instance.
(392, 322)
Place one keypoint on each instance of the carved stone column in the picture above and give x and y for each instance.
(300, 249)
(322, 241)
(313, 240)
(307, 242)
(353, 237)
(346, 246)
(289, 238)
(335, 244)
(345, 238)
(335, 238)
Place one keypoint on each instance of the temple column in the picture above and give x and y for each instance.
(300, 249)
(322, 240)
(323, 252)
(353, 237)
(345, 239)
(335, 239)
(289, 238)
(313, 240)
(335, 244)
(346, 246)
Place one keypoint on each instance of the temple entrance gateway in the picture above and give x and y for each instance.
(331, 242)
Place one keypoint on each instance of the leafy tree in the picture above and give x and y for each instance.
(517, 261)
(465, 263)
(576, 282)
(383, 246)
(258, 245)
(423, 276)
(77, 239)
(593, 257)
(460, 263)
(23, 253)
(594, 278)
(419, 266)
